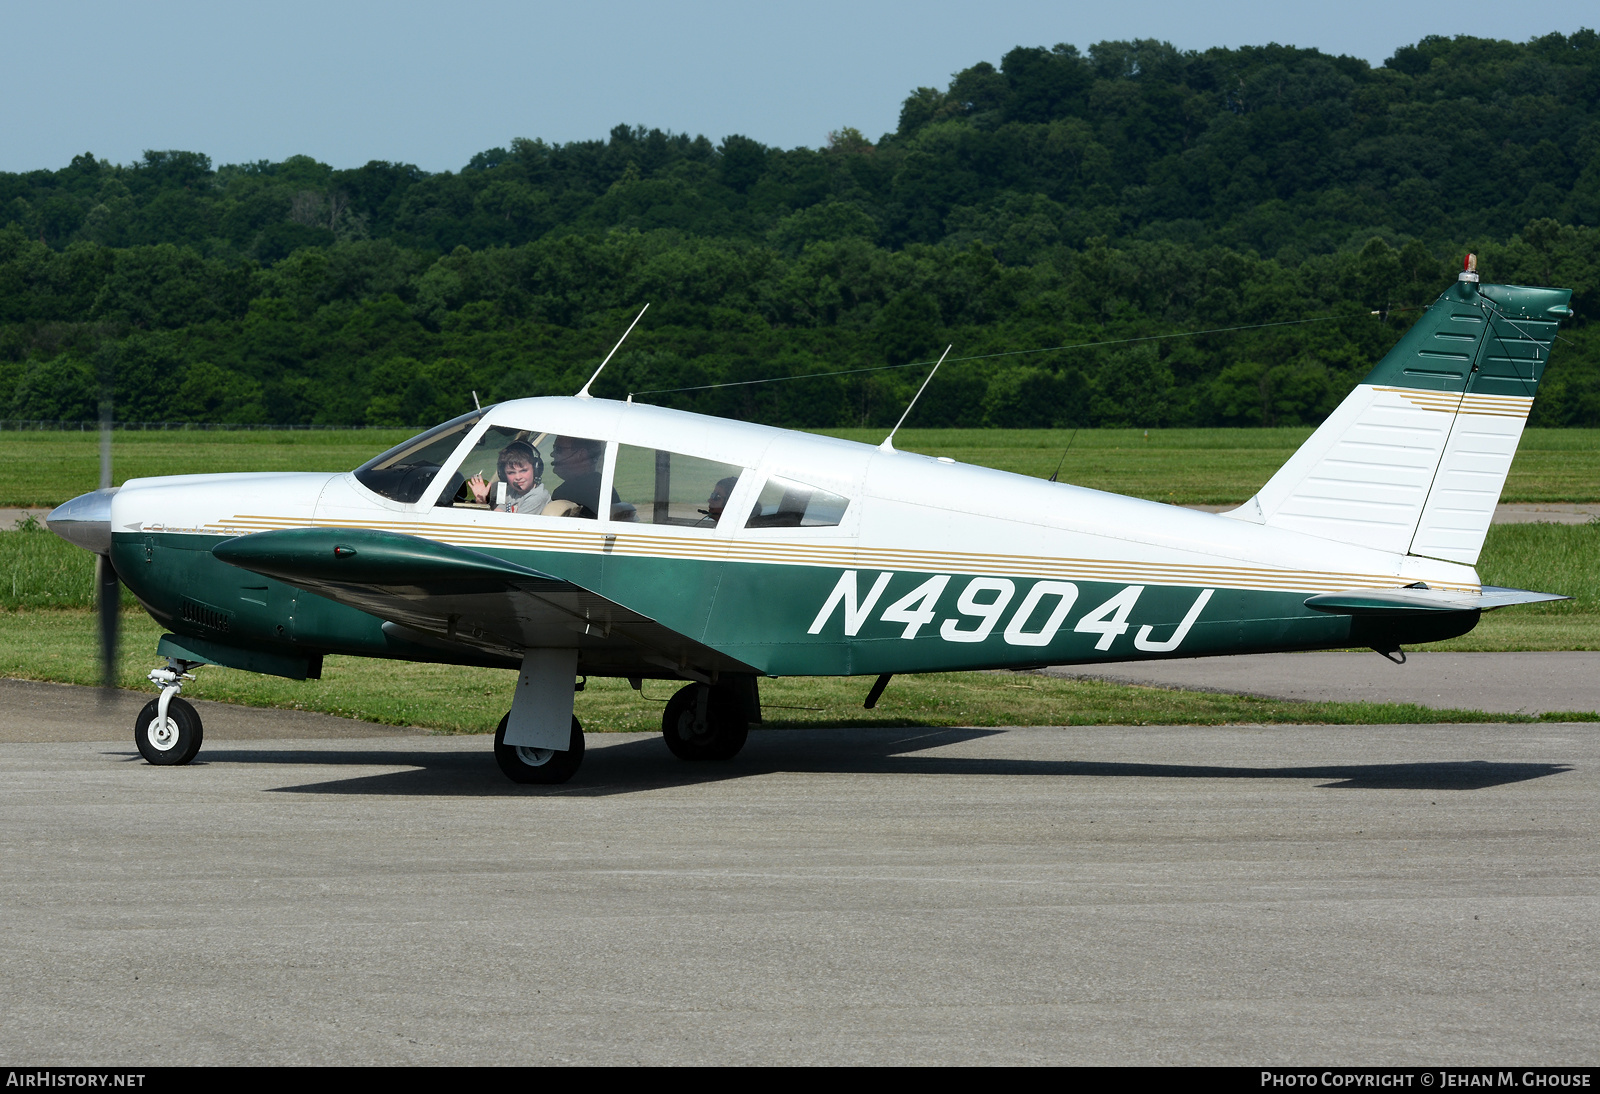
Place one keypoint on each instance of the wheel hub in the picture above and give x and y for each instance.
(695, 733)
(534, 757)
(163, 737)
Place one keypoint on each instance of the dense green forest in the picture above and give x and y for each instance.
(1058, 199)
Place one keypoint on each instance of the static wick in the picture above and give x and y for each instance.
(584, 392)
(888, 442)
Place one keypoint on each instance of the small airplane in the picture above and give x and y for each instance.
(572, 537)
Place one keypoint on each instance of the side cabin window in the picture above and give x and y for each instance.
(654, 486)
(785, 503)
(404, 472)
(526, 471)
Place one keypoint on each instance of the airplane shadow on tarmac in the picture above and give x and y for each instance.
(640, 765)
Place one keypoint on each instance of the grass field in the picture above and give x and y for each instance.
(59, 646)
(40, 571)
(47, 468)
(46, 631)
(1219, 466)
(1184, 466)
(1557, 558)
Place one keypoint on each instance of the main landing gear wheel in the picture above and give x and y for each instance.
(705, 723)
(538, 765)
(177, 741)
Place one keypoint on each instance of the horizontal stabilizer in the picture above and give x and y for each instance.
(1412, 601)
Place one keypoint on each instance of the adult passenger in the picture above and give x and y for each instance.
(577, 460)
(718, 501)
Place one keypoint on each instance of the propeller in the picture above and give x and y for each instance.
(108, 594)
(107, 586)
(85, 521)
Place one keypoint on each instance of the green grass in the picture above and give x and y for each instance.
(41, 571)
(46, 585)
(1185, 466)
(60, 645)
(1551, 558)
(1218, 466)
(47, 633)
(47, 468)
(1554, 558)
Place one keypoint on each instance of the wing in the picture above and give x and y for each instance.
(449, 597)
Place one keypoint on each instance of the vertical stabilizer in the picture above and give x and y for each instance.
(1414, 459)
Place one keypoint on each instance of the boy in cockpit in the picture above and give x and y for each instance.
(521, 469)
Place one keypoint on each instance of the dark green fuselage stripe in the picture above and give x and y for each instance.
(762, 614)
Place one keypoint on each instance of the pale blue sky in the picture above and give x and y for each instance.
(433, 83)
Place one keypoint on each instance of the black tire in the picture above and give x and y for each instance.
(538, 765)
(180, 740)
(725, 728)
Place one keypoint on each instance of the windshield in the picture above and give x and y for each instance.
(404, 472)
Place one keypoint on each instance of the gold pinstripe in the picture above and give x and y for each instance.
(1499, 406)
(644, 545)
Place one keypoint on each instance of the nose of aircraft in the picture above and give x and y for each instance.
(85, 521)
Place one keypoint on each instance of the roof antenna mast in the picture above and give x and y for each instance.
(584, 393)
(888, 442)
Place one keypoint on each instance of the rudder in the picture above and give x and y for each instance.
(1414, 459)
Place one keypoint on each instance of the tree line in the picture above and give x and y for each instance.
(1055, 218)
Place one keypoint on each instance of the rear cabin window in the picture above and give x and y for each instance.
(404, 472)
(530, 472)
(785, 503)
(654, 486)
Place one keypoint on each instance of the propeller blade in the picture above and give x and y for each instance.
(108, 588)
(108, 596)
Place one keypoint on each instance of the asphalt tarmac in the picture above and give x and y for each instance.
(1505, 683)
(33, 711)
(1235, 895)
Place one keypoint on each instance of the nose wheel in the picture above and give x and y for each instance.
(171, 740)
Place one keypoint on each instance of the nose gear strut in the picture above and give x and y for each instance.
(170, 681)
(168, 730)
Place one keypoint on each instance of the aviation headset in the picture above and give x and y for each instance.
(523, 452)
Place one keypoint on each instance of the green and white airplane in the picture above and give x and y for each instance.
(568, 537)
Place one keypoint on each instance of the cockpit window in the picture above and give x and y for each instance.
(404, 472)
(655, 486)
(785, 503)
(526, 471)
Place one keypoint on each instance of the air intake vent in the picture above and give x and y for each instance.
(205, 615)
